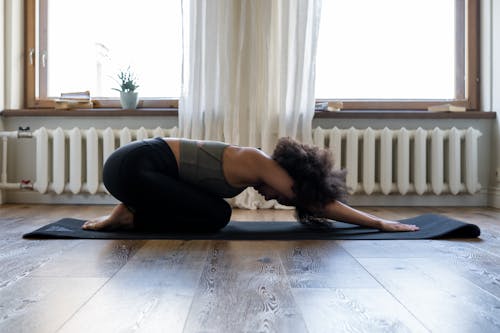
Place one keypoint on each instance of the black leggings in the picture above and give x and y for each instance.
(144, 176)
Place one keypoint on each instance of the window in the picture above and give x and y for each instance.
(81, 45)
(383, 54)
(397, 53)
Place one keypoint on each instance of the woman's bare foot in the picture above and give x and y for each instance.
(120, 218)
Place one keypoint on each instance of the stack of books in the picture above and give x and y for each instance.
(446, 108)
(328, 106)
(74, 100)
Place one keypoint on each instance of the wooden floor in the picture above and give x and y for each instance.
(247, 286)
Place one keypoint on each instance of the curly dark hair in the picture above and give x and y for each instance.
(316, 183)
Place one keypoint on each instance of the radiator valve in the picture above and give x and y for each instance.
(26, 184)
(24, 132)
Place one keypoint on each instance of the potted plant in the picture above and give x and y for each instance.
(128, 84)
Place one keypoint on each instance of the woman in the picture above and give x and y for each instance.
(179, 184)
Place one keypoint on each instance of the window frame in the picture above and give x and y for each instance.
(467, 91)
(34, 57)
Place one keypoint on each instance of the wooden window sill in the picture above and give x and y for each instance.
(403, 114)
(173, 112)
(101, 112)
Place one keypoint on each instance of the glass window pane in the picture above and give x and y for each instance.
(386, 49)
(90, 41)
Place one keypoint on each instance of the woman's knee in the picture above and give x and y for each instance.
(111, 175)
(219, 215)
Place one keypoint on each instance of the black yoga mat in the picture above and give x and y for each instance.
(431, 226)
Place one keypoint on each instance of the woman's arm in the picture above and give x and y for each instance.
(277, 178)
(266, 171)
(344, 213)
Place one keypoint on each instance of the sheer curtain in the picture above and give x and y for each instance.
(248, 75)
(11, 57)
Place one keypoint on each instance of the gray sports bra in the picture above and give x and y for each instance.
(200, 164)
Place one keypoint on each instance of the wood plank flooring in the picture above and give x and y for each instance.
(248, 286)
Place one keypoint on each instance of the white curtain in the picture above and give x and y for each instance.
(12, 54)
(249, 73)
(11, 58)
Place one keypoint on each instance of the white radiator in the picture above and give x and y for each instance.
(384, 161)
(72, 160)
(405, 161)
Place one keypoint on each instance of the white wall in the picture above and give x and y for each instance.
(495, 88)
(490, 85)
(21, 155)
(2, 56)
(2, 73)
(484, 156)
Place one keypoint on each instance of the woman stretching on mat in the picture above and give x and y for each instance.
(179, 185)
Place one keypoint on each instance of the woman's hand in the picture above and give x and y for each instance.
(386, 225)
(343, 213)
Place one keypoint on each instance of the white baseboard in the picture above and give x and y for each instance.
(66, 198)
(477, 200)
